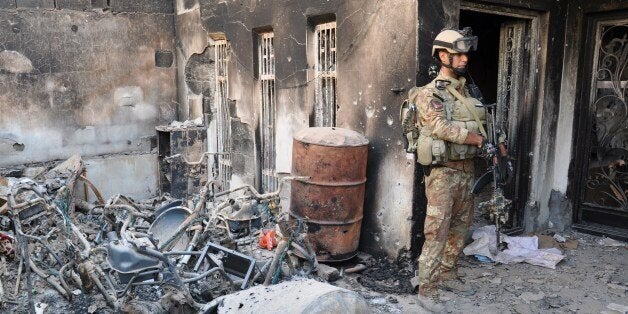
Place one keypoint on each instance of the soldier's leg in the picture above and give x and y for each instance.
(438, 190)
(461, 218)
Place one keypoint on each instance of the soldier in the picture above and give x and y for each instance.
(449, 127)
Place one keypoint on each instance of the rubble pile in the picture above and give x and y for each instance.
(157, 255)
(387, 276)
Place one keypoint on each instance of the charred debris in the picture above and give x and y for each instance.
(154, 255)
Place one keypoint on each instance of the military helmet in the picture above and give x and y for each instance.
(455, 41)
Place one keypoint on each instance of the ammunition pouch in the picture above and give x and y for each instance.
(430, 151)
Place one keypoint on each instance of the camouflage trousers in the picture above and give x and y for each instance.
(449, 214)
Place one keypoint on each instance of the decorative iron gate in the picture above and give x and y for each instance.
(604, 128)
(510, 109)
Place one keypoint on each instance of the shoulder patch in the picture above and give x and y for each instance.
(436, 105)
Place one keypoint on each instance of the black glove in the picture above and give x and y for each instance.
(488, 149)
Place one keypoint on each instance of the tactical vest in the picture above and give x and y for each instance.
(461, 111)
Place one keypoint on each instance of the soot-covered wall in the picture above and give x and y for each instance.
(376, 64)
(84, 77)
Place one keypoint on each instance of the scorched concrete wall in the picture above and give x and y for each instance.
(376, 46)
(95, 81)
(88, 78)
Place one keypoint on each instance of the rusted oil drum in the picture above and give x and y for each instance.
(331, 201)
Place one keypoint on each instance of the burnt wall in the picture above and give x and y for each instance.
(86, 77)
(376, 47)
(195, 61)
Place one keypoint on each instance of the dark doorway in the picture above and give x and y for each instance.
(484, 62)
(500, 68)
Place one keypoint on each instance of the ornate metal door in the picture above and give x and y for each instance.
(513, 68)
(603, 130)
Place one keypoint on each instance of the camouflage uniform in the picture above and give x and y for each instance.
(447, 188)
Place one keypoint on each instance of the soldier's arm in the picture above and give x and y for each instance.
(474, 139)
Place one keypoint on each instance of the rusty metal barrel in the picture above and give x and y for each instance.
(331, 201)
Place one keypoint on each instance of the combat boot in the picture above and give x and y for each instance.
(430, 301)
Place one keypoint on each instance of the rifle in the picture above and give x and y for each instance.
(500, 170)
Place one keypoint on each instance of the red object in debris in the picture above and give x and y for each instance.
(6, 244)
(268, 239)
(6, 236)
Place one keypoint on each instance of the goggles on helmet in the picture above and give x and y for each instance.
(461, 45)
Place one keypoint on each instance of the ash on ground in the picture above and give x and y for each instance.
(382, 275)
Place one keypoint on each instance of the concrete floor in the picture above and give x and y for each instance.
(591, 279)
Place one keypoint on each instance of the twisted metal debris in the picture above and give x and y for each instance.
(114, 247)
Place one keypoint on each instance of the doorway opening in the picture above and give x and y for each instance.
(500, 68)
(484, 63)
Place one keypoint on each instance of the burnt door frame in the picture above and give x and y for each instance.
(584, 115)
(529, 98)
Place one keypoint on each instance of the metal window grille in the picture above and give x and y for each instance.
(266, 57)
(325, 107)
(223, 120)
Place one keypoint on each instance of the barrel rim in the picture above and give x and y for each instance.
(305, 136)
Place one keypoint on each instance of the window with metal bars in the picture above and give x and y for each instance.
(223, 120)
(325, 106)
(266, 61)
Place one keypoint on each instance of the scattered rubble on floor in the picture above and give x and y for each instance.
(604, 241)
(387, 276)
(328, 273)
(218, 250)
(156, 255)
(616, 308)
(591, 279)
